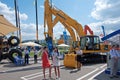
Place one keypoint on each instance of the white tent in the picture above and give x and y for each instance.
(63, 45)
(115, 39)
(30, 44)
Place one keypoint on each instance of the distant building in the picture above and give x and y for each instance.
(67, 40)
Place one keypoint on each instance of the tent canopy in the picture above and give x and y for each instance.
(113, 37)
(6, 27)
(63, 45)
(30, 44)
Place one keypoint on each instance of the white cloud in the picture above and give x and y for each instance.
(23, 16)
(58, 30)
(107, 14)
(42, 6)
(9, 13)
(106, 9)
(110, 26)
(28, 31)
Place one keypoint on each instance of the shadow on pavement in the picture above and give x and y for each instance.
(104, 76)
(72, 70)
(27, 68)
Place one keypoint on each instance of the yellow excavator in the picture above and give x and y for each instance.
(89, 44)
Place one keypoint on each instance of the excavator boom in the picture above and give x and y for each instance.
(89, 43)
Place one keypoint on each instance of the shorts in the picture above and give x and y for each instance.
(79, 58)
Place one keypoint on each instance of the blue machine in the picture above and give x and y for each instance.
(50, 45)
(65, 36)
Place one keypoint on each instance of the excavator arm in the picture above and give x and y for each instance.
(87, 28)
(70, 31)
(66, 19)
(60, 16)
(75, 29)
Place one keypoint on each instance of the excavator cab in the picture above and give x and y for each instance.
(90, 43)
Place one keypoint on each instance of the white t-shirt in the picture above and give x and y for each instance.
(79, 52)
(118, 53)
(26, 52)
(55, 57)
(113, 53)
(35, 52)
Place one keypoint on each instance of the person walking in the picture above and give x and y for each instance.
(26, 51)
(56, 62)
(35, 55)
(79, 54)
(114, 62)
(45, 62)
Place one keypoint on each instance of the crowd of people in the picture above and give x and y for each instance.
(46, 63)
(26, 56)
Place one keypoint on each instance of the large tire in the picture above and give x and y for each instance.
(12, 52)
(5, 49)
(5, 56)
(5, 43)
(17, 41)
(0, 56)
(1, 40)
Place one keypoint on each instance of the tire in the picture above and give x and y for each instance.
(12, 52)
(5, 43)
(1, 40)
(5, 56)
(5, 49)
(17, 41)
(1, 56)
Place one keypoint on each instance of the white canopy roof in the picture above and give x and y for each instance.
(30, 44)
(63, 45)
(115, 39)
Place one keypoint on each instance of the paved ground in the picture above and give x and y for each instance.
(9, 71)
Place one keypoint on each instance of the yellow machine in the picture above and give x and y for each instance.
(88, 43)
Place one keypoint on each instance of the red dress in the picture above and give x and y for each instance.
(45, 60)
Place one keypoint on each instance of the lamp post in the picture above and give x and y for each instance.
(16, 15)
(36, 20)
(17, 19)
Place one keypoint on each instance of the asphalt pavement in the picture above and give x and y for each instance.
(9, 71)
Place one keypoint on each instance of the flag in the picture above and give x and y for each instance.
(103, 30)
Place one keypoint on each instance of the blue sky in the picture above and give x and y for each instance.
(91, 12)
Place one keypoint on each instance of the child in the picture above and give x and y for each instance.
(56, 62)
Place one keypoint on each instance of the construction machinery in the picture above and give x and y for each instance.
(89, 44)
(8, 46)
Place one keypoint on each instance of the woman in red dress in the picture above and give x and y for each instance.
(45, 62)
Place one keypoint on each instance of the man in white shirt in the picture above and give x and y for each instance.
(35, 55)
(118, 54)
(26, 51)
(114, 62)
